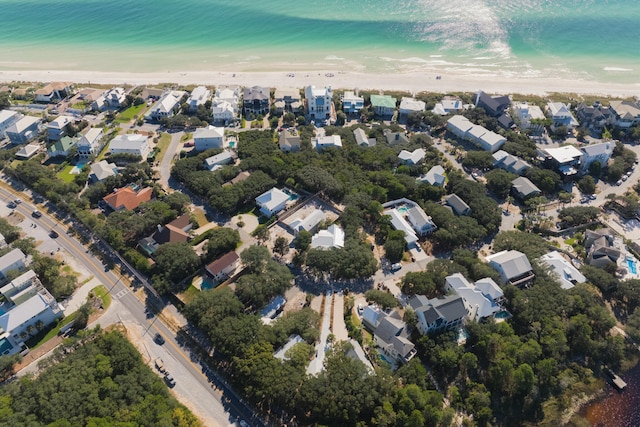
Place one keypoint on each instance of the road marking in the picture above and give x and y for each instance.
(121, 293)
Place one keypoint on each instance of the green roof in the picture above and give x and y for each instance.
(383, 101)
(64, 144)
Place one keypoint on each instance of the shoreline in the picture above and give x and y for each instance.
(413, 82)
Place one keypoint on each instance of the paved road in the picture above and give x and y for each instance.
(194, 379)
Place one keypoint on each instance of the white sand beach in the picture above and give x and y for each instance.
(408, 81)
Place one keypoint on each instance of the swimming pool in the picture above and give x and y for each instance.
(503, 314)
(206, 284)
(292, 196)
(80, 165)
(232, 144)
(403, 210)
(632, 265)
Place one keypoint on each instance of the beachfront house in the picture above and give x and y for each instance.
(352, 103)
(457, 205)
(560, 115)
(332, 237)
(216, 162)
(23, 130)
(62, 147)
(209, 137)
(102, 170)
(57, 128)
(127, 198)
(523, 188)
(287, 101)
(447, 106)
(199, 96)
(600, 153)
(167, 106)
(7, 119)
(494, 106)
(362, 140)
(435, 176)
(565, 272)
(566, 160)
(223, 267)
(530, 117)
(478, 304)
(319, 102)
(411, 158)
(488, 140)
(509, 162)
(273, 201)
(513, 266)
(383, 105)
(289, 140)
(130, 143)
(408, 106)
(594, 117)
(256, 101)
(90, 143)
(626, 113)
(54, 91)
(438, 314)
(322, 142)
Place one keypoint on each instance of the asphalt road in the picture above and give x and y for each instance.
(193, 377)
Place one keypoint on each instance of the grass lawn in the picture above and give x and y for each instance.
(45, 336)
(187, 136)
(163, 144)
(79, 106)
(570, 241)
(65, 174)
(188, 295)
(201, 217)
(127, 115)
(103, 293)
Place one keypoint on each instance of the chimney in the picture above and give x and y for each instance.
(159, 228)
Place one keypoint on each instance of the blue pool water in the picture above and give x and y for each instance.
(502, 315)
(403, 210)
(5, 346)
(232, 144)
(292, 196)
(2, 312)
(80, 165)
(206, 284)
(632, 266)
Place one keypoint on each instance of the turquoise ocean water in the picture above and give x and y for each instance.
(587, 39)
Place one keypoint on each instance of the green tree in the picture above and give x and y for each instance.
(221, 240)
(499, 182)
(382, 298)
(281, 246)
(587, 185)
(176, 261)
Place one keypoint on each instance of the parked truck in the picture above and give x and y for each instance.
(159, 365)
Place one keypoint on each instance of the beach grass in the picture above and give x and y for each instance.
(127, 115)
(163, 144)
(65, 174)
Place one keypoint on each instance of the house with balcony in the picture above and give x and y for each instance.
(383, 105)
(209, 137)
(224, 106)
(594, 117)
(495, 106)
(167, 106)
(198, 96)
(112, 99)
(530, 117)
(567, 160)
(90, 143)
(602, 247)
(478, 304)
(626, 113)
(7, 119)
(130, 143)
(438, 314)
(408, 106)
(319, 102)
(23, 130)
(57, 128)
(54, 91)
(600, 153)
(352, 103)
(287, 101)
(256, 101)
(513, 266)
(390, 334)
(560, 115)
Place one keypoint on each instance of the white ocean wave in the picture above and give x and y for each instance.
(617, 69)
(334, 58)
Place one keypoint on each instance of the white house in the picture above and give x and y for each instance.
(272, 201)
(568, 275)
(410, 105)
(560, 115)
(216, 162)
(8, 118)
(130, 144)
(54, 90)
(111, 99)
(332, 237)
(27, 151)
(352, 103)
(323, 142)
(102, 170)
(411, 157)
(513, 266)
(199, 96)
(479, 306)
(448, 106)
(486, 139)
(222, 111)
(529, 116)
(435, 176)
(23, 130)
(209, 137)
(420, 221)
(91, 143)
(626, 113)
(167, 105)
(289, 140)
(229, 95)
(319, 102)
(309, 222)
(509, 162)
(601, 153)
(398, 222)
(14, 260)
(56, 128)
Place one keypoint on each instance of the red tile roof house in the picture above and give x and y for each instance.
(127, 198)
(223, 267)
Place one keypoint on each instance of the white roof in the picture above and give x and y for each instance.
(351, 97)
(218, 159)
(412, 104)
(18, 283)
(489, 288)
(128, 141)
(563, 269)
(60, 122)
(309, 222)
(318, 92)
(435, 175)
(103, 169)
(460, 122)
(6, 115)
(513, 263)
(199, 94)
(399, 223)
(493, 140)
(525, 110)
(598, 149)
(27, 151)
(414, 156)
(333, 237)
(24, 123)
(91, 135)
(23, 312)
(272, 198)
(220, 107)
(558, 109)
(209, 132)
(474, 299)
(565, 154)
(168, 101)
(328, 141)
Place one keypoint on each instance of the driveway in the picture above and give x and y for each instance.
(165, 165)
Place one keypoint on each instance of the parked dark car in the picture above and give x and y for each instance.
(158, 339)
